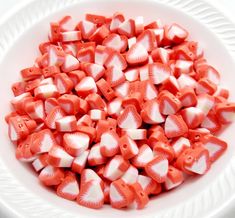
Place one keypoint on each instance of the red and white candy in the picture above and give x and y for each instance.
(76, 143)
(115, 111)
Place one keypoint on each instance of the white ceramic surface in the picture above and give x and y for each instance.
(19, 37)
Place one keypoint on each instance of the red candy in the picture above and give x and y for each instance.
(115, 111)
(68, 188)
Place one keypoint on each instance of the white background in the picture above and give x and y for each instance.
(226, 6)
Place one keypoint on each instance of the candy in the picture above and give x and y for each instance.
(116, 42)
(147, 183)
(94, 70)
(117, 19)
(69, 188)
(58, 157)
(158, 73)
(88, 175)
(70, 36)
(51, 176)
(87, 28)
(129, 118)
(133, 108)
(128, 147)
(105, 89)
(44, 141)
(174, 178)
(66, 124)
(225, 112)
(140, 196)
(194, 161)
(130, 176)
(114, 76)
(180, 144)
(17, 129)
(127, 28)
(63, 83)
(157, 168)
(164, 149)
(70, 63)
(144, 156)
(91, 195)
(40, 163)
(31, 73)
(215, 146)
(86, 54)
(192, 116)
(137, 54)
(116, 168)
(55, 114)
(176, 33)
(147, 39)
(168, 104)
(160, 54)
(135, 134)
(101, 54)
(76, 143)
(109, 143)
(69, 103)
(115, 59)
(100, 34)
(95, 157)
(86, 86)
(120, 194)
(46, 91)
(56, 56)
(175, 126)
(79, 162)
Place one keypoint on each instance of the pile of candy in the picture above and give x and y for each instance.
(115, 111)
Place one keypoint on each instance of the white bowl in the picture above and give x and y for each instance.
(20, 35)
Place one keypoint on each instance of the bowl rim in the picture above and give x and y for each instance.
(16, 22)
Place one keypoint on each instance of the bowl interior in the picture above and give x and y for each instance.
(24, 52)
